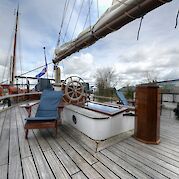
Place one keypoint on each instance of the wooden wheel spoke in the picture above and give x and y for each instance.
(70, 92)
(70, 88)
(73, 84)
(72, 95)
(78, 92)
(80, 88)
(74, 89)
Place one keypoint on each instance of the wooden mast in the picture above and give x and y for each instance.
(14, 49)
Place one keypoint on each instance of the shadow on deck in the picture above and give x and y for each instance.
(43, 156)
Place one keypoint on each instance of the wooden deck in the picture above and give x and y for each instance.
(43, 156)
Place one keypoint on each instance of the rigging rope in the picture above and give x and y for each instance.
(63, 18)
(77, 19)
(97, 8)
(138, 33)
(87, 16)
(8, 58)
(35, 69)
(176, 24)
(19, 54)
(69, 20)
(31, 70)
(19, 45)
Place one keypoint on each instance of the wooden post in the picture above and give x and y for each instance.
(147, 120)
(14, 49)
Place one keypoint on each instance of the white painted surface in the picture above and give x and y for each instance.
(176, 98)
(167, 97)
(170, 98)
(100, 128)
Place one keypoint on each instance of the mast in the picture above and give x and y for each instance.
(14, 49)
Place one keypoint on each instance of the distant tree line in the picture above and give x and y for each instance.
(106, 80)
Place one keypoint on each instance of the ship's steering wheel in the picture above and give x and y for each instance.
(74, 89)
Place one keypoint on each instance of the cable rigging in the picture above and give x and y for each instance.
(138, 33)
(69, 20)
(77, 19)
(97, 3)
(19, 49)
(87, 15)
(63, 18)
(8, 58)
(176, 24)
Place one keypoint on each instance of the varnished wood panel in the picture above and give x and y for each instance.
(147, 120)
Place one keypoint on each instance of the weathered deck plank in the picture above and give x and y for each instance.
(15, 168)
(66, 161)
(79, 160)
(145, 160)
(41, 141)
(153, 158)
(114, 152)
(3, 171)
(40, 161)
(158, 152)
(29, 168)
(79, 175)
(126, 166)
(23, 143)
(68, 156)
(76, 135)
(171, 147)
(104, 171)
(103, 159)
(2, 118)
(4, 141)
(57, 168)
(86, 155)
(164, 148)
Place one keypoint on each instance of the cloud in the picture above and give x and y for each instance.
(79, 64)
(157, 49)
(82, 65)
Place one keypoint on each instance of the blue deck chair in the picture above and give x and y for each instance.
(47, 114)
(121, 97)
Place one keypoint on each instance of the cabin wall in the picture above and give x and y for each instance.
(98, 128)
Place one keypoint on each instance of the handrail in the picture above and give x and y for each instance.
(18, 95)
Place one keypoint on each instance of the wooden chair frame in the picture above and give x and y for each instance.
(41, 124)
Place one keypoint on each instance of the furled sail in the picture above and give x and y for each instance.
(119, 14)
(114, 1)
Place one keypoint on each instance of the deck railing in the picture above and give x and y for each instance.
(170, 97)
(13, 99)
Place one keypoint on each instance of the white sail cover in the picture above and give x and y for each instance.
(114, 1)
(119, 14)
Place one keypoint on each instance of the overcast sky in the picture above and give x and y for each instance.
(157, 50)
